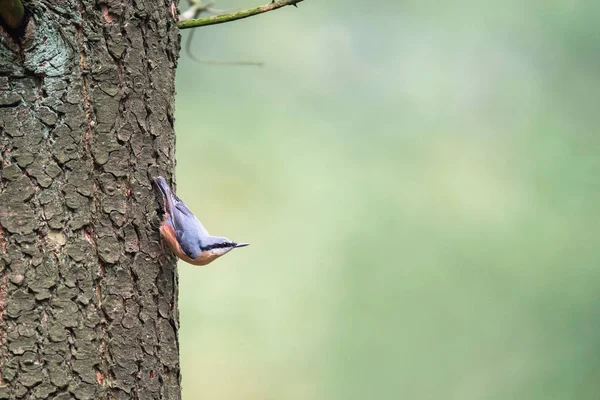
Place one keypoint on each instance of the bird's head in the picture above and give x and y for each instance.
(214, 247)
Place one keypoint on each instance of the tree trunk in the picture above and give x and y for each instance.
(87, 311)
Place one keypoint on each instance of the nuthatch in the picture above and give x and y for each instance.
(185, 235)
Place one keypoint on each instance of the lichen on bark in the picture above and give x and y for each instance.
(87, 311)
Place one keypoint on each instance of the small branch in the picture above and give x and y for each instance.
(223, 18)
(197, 8)
(12, 13)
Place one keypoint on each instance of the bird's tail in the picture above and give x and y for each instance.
(166, 192)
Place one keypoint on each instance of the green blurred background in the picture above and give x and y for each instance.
(419, 182)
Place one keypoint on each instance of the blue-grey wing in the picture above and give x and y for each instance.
(189, 218)
(189, 245)
(188, 230)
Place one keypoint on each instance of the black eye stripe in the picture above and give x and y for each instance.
(217, 246)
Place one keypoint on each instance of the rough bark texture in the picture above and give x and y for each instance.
(86, 115)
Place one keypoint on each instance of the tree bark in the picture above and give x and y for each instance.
(87, 311)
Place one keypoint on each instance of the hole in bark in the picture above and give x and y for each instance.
(17, 34)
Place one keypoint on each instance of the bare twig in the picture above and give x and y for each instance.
(223, 18)
(197, 8)
(12, 13)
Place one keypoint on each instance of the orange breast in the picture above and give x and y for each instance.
(167, 232)
(205, 258)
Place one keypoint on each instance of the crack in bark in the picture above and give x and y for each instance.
(3, 289)
(82, 65)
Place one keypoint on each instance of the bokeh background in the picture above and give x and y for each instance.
(420, 185)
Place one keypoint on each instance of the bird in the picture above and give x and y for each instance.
(184, 233)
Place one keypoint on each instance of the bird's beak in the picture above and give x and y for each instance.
(241, 245)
